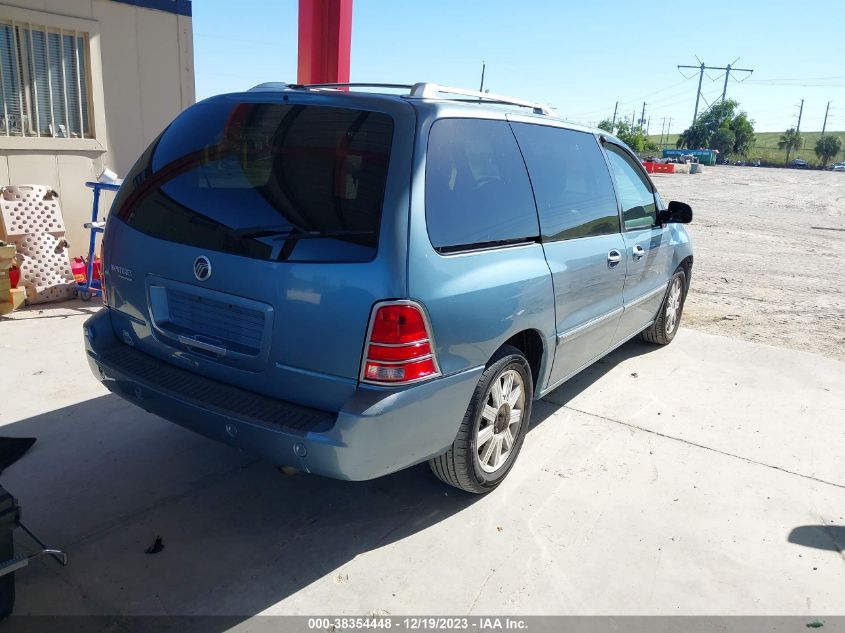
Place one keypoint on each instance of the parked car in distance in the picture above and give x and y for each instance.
(350, 283)
(838, 166)
(798, 163)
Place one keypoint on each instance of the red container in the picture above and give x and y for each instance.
(79, 268)
(14, 277)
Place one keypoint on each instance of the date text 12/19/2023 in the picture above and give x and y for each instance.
(422, 623)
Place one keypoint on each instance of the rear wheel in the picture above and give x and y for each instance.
(668, 320)
(493, 428)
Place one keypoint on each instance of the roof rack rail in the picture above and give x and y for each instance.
(431, 91)
(417, 91)
(349, 85)
(269, 86)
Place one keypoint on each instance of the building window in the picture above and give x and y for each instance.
(44, 86)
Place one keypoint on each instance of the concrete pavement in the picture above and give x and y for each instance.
(707, 477)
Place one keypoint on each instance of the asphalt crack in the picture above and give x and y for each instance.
(480, 589)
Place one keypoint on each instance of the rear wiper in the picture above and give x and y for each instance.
(294, 234)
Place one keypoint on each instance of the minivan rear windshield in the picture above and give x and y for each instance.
(265, 180)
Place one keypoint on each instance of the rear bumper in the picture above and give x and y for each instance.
(378, 431)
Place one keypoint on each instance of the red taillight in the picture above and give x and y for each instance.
(399, 323)
(401, 353)
(103, 277)
(399, 348)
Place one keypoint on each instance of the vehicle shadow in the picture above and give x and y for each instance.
(828, 537)
(106, 478)
(585, 379)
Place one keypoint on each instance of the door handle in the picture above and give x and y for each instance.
(206, 347)
(638, 252)
(613, 258)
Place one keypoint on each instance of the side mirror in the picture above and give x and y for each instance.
(678, 212)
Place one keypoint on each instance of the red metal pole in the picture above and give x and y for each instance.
(325, 41)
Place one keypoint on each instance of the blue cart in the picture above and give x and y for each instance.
(91, 287)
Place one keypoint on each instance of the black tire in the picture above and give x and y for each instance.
(460, 466)
(657, 333)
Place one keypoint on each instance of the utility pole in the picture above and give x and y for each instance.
(615, 108)
(648, 125)
(698, 93)
(701, 68)
(633, 114)
(727, 75)
(662, 129)
(642, 116)
(483, 68)
(800, 112)
(668, 127)
(826, 110)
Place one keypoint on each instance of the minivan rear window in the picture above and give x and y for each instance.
(266, 180)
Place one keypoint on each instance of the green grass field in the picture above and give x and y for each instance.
(766, 147)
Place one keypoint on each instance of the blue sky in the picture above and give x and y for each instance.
(580, 57)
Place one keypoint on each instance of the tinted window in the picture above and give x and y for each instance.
(634, 189)
(476, 188)
(272, 181)
(571, 183)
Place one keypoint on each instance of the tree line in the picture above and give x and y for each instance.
(725, 128)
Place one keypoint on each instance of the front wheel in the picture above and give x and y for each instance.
(668, 320)
(493, 428)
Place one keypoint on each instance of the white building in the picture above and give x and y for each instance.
(85, 85)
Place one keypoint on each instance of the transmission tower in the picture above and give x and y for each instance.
(702, 67)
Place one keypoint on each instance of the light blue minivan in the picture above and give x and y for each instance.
(351, 279)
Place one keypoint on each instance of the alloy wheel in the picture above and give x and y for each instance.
(498, 425)
(673, 305)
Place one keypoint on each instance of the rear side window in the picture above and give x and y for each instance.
(477, 192)
(571, 182)
(265, 180)
(638, 205)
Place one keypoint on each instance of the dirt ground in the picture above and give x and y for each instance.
(769, 254)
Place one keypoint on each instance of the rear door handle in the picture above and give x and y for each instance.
(638, 252)
(206, 347)
(613, 258)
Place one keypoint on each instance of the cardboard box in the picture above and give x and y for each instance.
(6, 307)
(7, 255)
(4, 274)
(5, 287)
(18, 296)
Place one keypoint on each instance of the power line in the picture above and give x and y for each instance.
(651, 94)
(789, 79)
